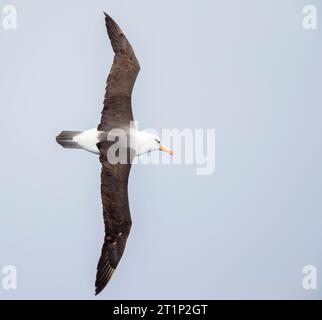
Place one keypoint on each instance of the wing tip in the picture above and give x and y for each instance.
(98, 291)
(103, 276)
(112, 27)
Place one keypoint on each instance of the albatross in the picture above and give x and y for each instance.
(115, 128)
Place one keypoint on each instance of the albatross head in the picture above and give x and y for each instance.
(148, 142)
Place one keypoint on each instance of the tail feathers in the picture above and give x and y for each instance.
(66, 139)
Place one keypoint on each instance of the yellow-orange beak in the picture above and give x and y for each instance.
(166, 149)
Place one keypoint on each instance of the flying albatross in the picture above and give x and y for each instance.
(115, 128)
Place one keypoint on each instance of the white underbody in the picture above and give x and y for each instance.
(88, 140)
(142, 142)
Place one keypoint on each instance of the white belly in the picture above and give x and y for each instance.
(88, 140)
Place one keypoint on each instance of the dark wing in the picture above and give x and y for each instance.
(117, 111)
(117, 219)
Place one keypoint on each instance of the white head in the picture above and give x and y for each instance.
(147, 142)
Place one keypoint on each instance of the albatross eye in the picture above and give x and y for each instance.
(157, 140)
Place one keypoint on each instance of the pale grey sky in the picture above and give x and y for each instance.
(246, 68)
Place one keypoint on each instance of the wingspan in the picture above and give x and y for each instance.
(117, 111)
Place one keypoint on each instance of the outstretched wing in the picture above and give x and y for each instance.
(117, 218)
(117, 111)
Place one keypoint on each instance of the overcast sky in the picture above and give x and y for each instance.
(245, 68)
